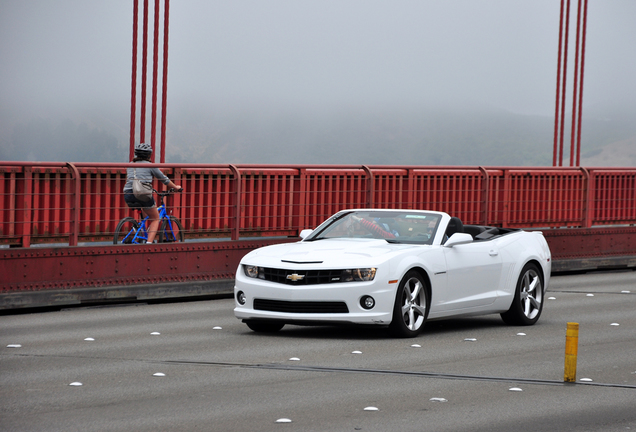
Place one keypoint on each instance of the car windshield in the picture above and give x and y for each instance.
(392, 226)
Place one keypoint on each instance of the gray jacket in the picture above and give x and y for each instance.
(145, 175)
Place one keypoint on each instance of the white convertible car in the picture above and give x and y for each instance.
(395, 268)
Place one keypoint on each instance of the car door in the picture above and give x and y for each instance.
(473, 272)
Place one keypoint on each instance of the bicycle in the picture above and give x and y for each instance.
(131, 231)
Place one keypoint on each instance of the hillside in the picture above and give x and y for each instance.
(617, 154)
(415, 136)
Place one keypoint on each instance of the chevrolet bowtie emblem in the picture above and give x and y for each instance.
(295, 277)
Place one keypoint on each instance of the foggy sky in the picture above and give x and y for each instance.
(61, 55)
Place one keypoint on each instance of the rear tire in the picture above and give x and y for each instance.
(527, 304)
(265, 326)
(410, 310)
(166, 233)
(125, 231)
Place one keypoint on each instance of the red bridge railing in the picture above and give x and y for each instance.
(69, 203)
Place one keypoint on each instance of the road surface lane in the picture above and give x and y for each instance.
(231, 379)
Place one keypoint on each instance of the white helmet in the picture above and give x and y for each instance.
(143, 147)
(143, 150)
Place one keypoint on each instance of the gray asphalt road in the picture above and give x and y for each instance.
(321, 378)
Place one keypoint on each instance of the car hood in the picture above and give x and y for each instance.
(328, 253)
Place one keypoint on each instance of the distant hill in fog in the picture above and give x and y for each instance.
(473, 136)
(407, 138)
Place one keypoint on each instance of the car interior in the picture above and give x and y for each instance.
(479, 232)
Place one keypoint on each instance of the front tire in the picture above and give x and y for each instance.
(528, 301)
(410, 310)
(169, 233)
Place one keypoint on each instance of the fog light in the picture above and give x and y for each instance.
(367, 302)
(240, 297)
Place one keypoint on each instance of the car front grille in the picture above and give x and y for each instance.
(304, 277)
(300, 306)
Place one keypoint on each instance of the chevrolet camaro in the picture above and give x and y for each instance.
(394, 268)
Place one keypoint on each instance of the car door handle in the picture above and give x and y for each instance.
(493, 253)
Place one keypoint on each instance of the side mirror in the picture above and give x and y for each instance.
(305, 233)
(458, 238)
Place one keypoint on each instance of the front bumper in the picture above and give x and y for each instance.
(349, 293)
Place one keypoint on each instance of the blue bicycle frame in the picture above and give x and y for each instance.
(138, 233)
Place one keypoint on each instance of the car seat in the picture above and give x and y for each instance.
(455, 225)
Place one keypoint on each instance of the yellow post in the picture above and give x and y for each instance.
(571, 350)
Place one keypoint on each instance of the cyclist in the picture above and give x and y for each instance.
(143, 152)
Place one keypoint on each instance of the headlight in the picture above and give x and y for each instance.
(361, 274)
(254, 271)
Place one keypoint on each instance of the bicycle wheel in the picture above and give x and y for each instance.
(170, 231)
(125, 231)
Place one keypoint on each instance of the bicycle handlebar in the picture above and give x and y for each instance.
(168, 192)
